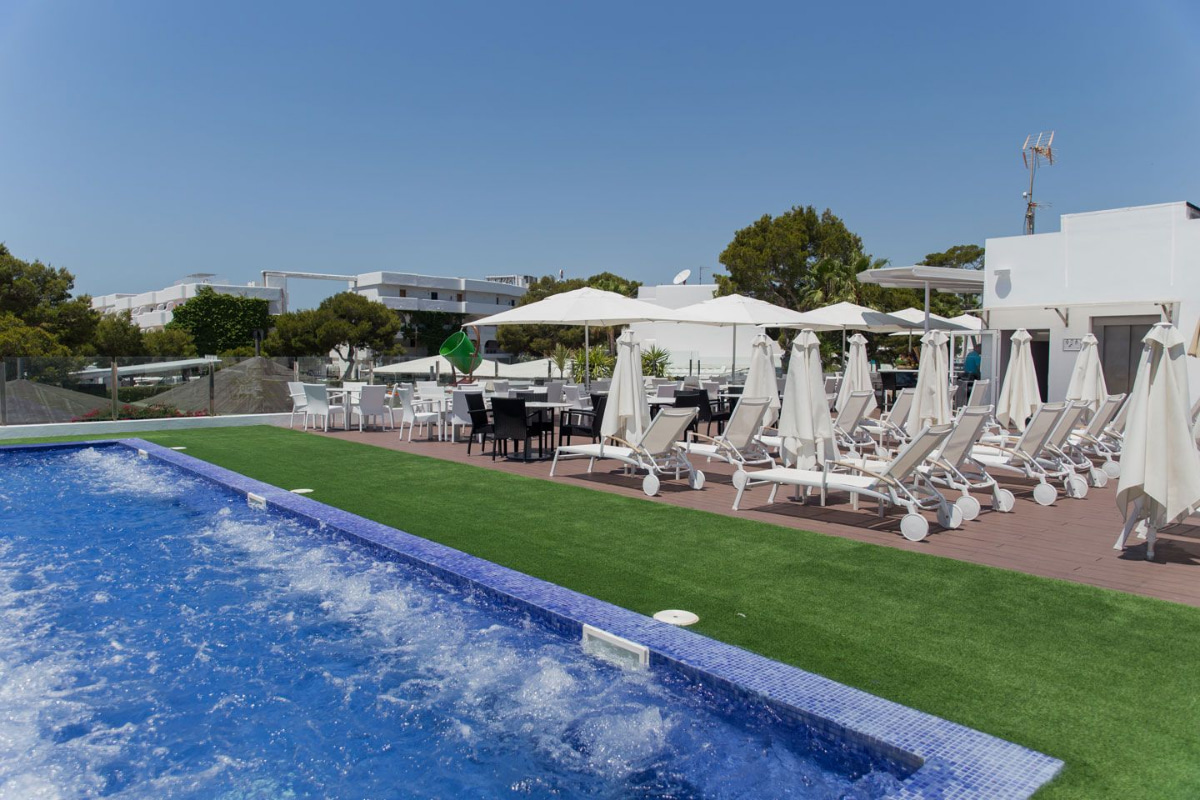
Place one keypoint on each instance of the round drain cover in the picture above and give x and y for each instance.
(676, 617)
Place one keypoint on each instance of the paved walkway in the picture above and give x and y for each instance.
(1071, 540)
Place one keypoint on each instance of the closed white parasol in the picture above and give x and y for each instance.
(627, 412)
(1160, 465)
(1019, 395)
(1087, 378)
(857, 377)
(804, 423)
(931, 402)
(760, 380)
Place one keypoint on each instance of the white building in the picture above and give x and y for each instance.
(1111, 273)
(406, 292)
(694, 349)
(401, 291)
(153, 310)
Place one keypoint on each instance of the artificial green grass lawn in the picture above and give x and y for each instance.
(1105, 681)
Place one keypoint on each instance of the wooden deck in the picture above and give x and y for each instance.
(1071, 540)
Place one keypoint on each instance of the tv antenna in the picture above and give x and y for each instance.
(681, 277)
(1037, 148)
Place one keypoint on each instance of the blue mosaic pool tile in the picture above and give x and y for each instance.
(940, 759)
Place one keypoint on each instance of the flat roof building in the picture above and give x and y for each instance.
(1111, 273)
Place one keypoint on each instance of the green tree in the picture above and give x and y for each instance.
(961, 256)
(772, 258)
(344, 324)
(40, 296)
(169, 343)
(117, 335)
(220, 322)
(20, 340)
(429, 329)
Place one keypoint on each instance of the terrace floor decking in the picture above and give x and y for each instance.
(1071, 540)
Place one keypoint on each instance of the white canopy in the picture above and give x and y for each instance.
(857, 376)
(931, 402)
(915, 317)
(627, 412)
(1019, 395)
(804, 423)
(760, 381)
(586, 306)
(968, 321)
(1160, 466)
(1087, 378)
(736, 309)
(849, 317)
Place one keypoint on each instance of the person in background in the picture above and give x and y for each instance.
(971, 364)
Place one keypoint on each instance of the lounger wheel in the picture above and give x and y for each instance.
(696, 480)
(1045, 494)
(969, 507)
(1112, 469)
(1004, 500)
(740, 479)
(950, 516)
(1078, 487)
(650, 485)
(1099, 478)
(914, 527)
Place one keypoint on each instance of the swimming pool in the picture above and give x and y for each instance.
(160, 637)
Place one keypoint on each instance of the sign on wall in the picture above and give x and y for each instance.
(1072, 345)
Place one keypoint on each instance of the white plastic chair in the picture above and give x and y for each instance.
(299, 403)
(666, 389)
(574, 396)
(1020, 457)
(316, 397)
(460, 415)
(411, 417)
(372, 403)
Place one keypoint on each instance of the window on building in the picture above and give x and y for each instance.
(460, 297)
(403, 293)
(433, 295)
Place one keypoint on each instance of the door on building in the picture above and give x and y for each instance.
(1119, 340)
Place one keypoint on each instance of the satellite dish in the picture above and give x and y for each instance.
(682, 277)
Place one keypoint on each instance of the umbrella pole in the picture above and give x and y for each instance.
(733, 358)
(927, 306)
(587, 359)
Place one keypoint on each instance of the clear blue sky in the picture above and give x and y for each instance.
(145, 140)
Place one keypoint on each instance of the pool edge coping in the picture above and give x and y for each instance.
(954, 760)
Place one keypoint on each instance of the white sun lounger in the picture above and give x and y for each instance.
(846, 427)
(1090, 442)
(1020, 457)
(656, 453)
(739, 444)
(953, 467)
(891, 425)
(899, 483)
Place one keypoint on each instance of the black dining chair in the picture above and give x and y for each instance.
(583, 422)
(481, 426)
(510, 422)
(697, 399)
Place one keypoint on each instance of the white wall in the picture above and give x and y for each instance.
(1120, 262)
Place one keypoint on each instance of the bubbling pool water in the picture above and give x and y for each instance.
(158, 638)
